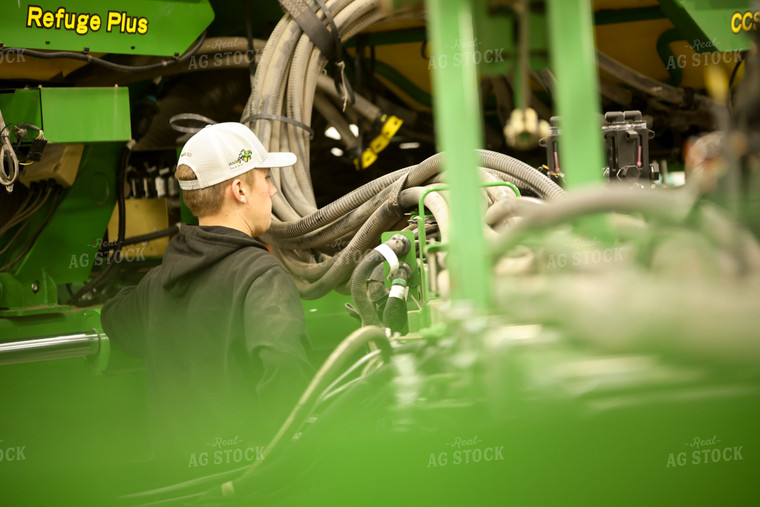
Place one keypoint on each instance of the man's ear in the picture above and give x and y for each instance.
(238, 191)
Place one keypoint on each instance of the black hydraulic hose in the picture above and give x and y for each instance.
(174, 229)
(77, 299)
(678, 96)
(105, 63)
(26, 210)
(21, 209)
(21, 215)
(13, 238)
(395, 315)
(400, 245)
(36, 235)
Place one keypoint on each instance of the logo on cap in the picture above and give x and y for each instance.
(244, 156)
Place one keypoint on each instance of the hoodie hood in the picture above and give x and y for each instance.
(195, 248)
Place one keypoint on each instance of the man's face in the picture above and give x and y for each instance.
(260, 203)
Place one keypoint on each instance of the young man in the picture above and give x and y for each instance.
(219, 322)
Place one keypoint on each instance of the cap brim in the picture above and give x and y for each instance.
(278, 159)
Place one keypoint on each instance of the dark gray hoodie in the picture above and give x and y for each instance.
(221, 328)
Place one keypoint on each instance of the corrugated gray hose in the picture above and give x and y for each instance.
(302, 236)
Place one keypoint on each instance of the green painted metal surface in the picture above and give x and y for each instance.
(62, 322)
(577, 91)
(67, 246)
(328, 322)
(458, 133)
(713, 26)
(141, 27)
(26, 297)
(494, 32)
(67, 419)
(538, 41)
(71, 115)
(495, 44)
(667, 56)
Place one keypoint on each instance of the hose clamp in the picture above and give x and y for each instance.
(390, 256)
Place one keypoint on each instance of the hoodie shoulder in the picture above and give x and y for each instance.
(198, 248)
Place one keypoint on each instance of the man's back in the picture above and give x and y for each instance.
(221, 328)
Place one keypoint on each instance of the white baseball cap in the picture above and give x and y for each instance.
(222, 151)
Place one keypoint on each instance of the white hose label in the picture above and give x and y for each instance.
(398, 292)
(389, 255)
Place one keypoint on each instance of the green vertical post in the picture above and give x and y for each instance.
(458, 133)
(573, 58)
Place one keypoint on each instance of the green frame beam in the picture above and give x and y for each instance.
(458, 130)
(577, 92)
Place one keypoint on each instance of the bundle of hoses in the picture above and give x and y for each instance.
(279, 112)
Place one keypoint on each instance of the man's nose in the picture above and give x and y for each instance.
(272, 189)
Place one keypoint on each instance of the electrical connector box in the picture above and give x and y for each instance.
(60, 162)
(626, 138)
